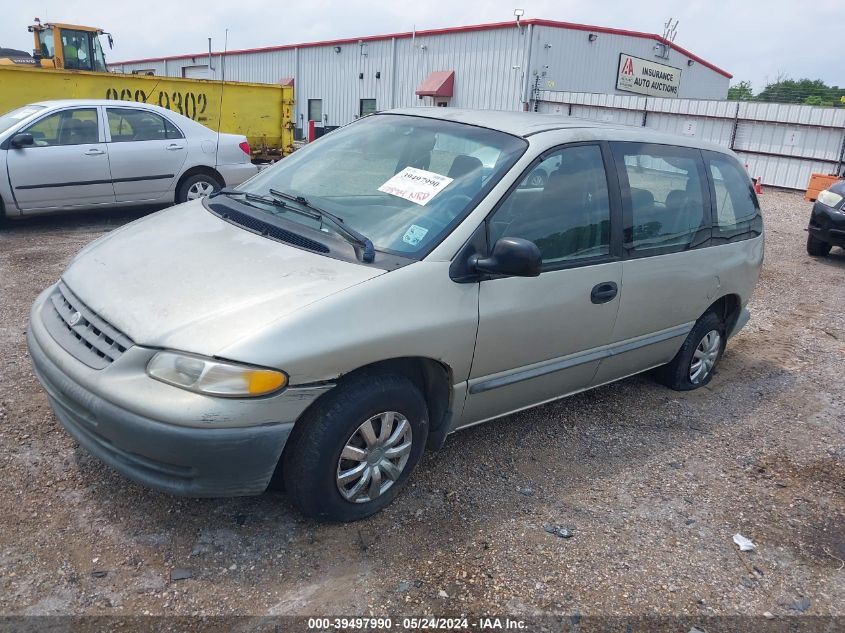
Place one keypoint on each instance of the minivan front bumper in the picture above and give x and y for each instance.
(197, 461)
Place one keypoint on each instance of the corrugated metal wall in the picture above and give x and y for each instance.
(573, 63)
(783, 144)
(490, 68)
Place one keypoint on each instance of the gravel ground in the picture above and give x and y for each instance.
(653, 483)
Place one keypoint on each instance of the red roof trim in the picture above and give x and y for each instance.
(452, 29)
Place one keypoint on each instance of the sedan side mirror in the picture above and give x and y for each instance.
(511, 256)
(22, 140)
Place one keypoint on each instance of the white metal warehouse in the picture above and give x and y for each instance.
(493, 66)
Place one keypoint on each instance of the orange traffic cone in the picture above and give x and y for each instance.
(758, 187)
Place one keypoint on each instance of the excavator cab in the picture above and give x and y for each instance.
(69, 46)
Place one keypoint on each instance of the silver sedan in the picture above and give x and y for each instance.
(75, 154)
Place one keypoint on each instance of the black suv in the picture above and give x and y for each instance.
(827, 222)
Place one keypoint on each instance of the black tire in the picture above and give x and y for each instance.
(677, 374)
(816, 247)
(184, 189)
(312, 455)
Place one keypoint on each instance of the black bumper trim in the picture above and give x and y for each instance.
(827, 224)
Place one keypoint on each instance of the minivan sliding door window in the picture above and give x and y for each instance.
(665, 198)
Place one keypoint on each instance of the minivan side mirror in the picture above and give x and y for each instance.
(22, 140)
(511, 256)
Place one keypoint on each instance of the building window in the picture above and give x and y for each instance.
(315, 110)
(367, 106)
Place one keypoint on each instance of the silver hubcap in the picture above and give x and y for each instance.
(705, 356)
(374, 457)
(200, 190)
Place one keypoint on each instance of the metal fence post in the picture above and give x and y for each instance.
(736, 125)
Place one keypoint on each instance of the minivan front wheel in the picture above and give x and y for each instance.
(695, 363)
(352, 453)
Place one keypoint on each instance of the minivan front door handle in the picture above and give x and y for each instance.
(173, 147)
(604, 292)
(94, 152)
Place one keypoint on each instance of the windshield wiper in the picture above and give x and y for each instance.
(254, 197)
(316, 213)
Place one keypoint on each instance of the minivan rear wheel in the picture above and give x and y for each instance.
(352, 453)
(695, 363)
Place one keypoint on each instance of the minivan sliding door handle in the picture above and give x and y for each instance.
(604, 292)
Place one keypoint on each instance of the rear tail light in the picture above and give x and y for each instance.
(245, 147)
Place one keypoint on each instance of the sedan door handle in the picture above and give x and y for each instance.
(604, 292)
(173, 147)
(94, 152)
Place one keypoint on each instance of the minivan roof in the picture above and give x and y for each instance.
(526, 124)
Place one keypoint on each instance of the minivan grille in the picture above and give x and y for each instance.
(80, 332)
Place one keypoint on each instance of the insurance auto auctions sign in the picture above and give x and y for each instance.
(647, 78)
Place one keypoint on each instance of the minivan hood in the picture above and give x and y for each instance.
(185, 279)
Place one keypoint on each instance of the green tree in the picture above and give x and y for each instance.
(807, 91)
(740, 92)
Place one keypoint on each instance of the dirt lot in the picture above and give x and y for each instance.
(654, 483)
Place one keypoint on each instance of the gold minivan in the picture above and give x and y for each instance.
(401, 278)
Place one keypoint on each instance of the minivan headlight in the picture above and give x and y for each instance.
(213, 377)
(829, 198)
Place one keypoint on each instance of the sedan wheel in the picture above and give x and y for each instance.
(200, 189)
(374, 457)
(705, 356)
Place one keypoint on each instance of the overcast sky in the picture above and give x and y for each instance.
(755, 39)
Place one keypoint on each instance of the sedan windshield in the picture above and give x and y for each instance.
(17, 115)
(401, 181)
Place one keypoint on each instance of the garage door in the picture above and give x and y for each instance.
(195, 72)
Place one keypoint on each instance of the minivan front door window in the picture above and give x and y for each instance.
(568, 218)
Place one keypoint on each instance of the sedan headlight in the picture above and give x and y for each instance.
(213, 377)
(829, 198)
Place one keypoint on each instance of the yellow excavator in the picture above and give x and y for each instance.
(61, 46)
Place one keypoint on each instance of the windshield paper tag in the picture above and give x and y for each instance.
(417, 185)
(414, 235)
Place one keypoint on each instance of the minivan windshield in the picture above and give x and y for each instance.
(401, 181)
(13, 117)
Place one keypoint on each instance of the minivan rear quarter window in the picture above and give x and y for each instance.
(736, 210)
(665, 198)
